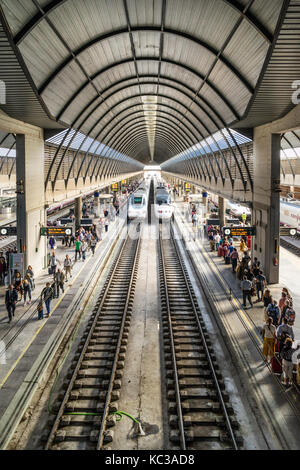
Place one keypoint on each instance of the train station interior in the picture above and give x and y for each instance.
(150, 227)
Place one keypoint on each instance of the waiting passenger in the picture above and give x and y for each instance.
(273, 312)
(260, 285)
(30, 273)
(246, 289)
(77, 248)
(234, 259)
(267, 298)
(287, 363)
(59, 279)
(284, 331)
(27, 289)
(269, 335)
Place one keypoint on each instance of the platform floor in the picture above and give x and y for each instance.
(24, 338)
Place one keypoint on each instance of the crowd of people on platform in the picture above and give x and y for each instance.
(279, 316)
(84, 240)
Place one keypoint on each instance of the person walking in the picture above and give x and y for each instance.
(77, 248)
(27, 289)
(83, 249)
(18, 284)
(11, 298)
(59, 279)
(53, 261)
(106, 224)
(246, 289)
(93, 244)
(52, 243)
(47, 295)
(30, 273)
(68, 267)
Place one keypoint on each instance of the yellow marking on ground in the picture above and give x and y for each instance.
(38, 331)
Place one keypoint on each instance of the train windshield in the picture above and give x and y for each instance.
(138, 200)
(162, 199)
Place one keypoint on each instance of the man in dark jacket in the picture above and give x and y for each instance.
(11, 297)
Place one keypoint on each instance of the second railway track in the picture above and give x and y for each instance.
(201, 416)
(83, 416)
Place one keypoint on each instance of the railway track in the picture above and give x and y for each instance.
(290, 246)
(83, 416)
(201, 416)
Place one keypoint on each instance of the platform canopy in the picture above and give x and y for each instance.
(149, 78)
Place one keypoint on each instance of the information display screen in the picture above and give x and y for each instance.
(86, 222)
(288, 231)
(114, 187)
(239, 231)
(56, 231)
(8, 231)
(187, 187)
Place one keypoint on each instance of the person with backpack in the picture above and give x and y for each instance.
(269, 336)
(47, 295)
(287, 363)
(273, 312)
(260, 285)
(284, 331)
(234, 259)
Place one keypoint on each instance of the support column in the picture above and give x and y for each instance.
(204, 202)
(266, 201)
(222, 211)
(31, 214)
(96, 204)
(78, 211)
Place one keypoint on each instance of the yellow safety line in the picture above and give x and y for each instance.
(38, 331)
(234, 298)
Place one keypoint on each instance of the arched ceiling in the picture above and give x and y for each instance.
(149, 78)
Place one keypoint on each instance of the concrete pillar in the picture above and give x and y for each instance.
(31, 214)
(96, 204)
(78, 211)
(222, 211)
(204, 202)
(266, 201)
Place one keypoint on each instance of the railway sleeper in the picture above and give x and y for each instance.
(205, 418)
(200, 404)
(187, 382)
(92, 394)
(182, 373)
(201, 433)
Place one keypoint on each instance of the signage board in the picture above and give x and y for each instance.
(217, 221)
(86, 222)
(288, 231)
(124, 182)
(8, 231)
(114, 187)
(16, 261)
(56, 231)
(66, 221)
(239, 231)
(187, 187)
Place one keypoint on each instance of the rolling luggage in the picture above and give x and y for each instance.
(276, 365)
(227, 259)
(220, 251)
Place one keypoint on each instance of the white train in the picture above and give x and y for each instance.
(138, 203)
(163, 209)
(290, 213)
(237, 209)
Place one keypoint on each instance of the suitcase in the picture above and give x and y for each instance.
(220, 251)
(227, 259)
(276, 365)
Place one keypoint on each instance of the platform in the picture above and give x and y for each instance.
(25, 342)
